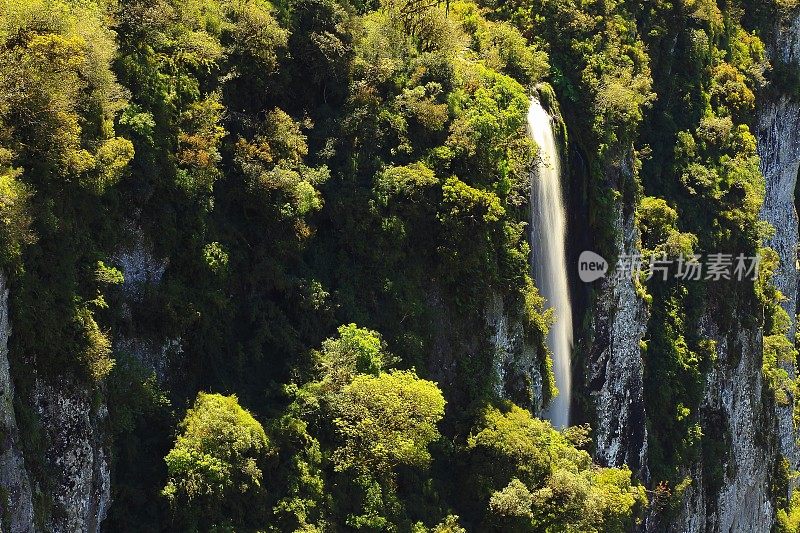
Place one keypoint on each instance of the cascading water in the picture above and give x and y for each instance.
(549, 233)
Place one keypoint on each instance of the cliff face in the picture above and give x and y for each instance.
(516, 365)
(73, 422)
(75, 456)
(778, 136)
(730, 488)
(15, 495)
(614, 370)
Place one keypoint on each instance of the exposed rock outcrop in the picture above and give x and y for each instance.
(779, 148)
(731, 482)
(140, 267)
(516, 365)
(76, 459)
(15, 489)
(615, 371)
(730, 488)
(76, 455)
(778, 135)
(745, 433)
(138, 264)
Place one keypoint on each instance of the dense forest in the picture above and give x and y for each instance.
(266, 266)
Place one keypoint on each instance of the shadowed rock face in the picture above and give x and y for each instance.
(79, 482)
(778, 135)
(15, 499)
(140, 268)
(732, 409)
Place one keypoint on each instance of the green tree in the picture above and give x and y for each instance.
(354, 351)
(788, 520)
(216, 463)
(404, 183)
(15, 218)
(272, 165)
(658, 224)
(303, 505)
(387, 421)
(533, 478)
(501, 46)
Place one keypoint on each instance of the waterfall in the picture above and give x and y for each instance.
(548, 238)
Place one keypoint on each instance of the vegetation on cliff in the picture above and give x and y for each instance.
(336, 190)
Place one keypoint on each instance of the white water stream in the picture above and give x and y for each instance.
(549, 234)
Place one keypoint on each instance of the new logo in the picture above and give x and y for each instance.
(591, 267)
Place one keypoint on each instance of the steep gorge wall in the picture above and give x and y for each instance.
(730, 489)
(778, 135)
(614, 372)
(15, 496)
(77, 491)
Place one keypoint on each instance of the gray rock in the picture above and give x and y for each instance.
(733, 400)
(15, 499)
(615, 372)
(778, 137)
(73, 422)
(138, 264)
(76, 455)
(516, 365)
